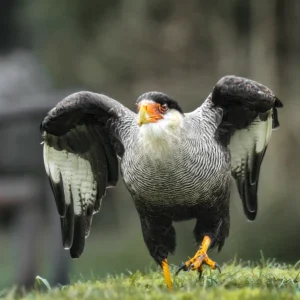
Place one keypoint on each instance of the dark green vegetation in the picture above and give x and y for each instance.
(268, 280)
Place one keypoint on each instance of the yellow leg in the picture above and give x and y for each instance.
(200, 258)
(166, 272)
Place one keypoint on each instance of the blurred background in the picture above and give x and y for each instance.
(124, 48)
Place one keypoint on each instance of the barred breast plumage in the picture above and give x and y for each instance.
(188, 168)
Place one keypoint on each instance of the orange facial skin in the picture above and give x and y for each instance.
(150, 113)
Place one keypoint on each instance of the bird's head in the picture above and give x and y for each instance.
(158, 109)
(160, 119)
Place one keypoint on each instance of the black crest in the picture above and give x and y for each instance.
(160, 98)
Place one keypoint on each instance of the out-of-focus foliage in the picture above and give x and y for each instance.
(126, 47)
(105, 43)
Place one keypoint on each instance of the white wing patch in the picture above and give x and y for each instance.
(244, 141)
(76, 175)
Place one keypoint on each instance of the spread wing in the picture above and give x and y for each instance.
(81, 147)
(249, 116)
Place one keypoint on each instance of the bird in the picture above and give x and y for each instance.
(177, 166)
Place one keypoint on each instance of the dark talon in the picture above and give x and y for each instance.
(182, 267)
(200, 275)
(218, 267)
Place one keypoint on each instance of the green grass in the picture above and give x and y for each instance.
(266, 280)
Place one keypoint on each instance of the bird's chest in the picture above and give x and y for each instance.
(152, 170)
(167, 175)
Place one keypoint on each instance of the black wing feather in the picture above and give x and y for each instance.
(67, 226)
(249, 115)
(80, 156)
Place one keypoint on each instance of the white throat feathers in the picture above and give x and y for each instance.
(157, 139)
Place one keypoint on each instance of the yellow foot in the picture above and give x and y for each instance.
(166, 272)
(200, 258)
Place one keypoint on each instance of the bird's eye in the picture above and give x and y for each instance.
(163, 108)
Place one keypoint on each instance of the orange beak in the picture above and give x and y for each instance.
(148, 113)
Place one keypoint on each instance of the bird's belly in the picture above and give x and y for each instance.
(164, 185)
